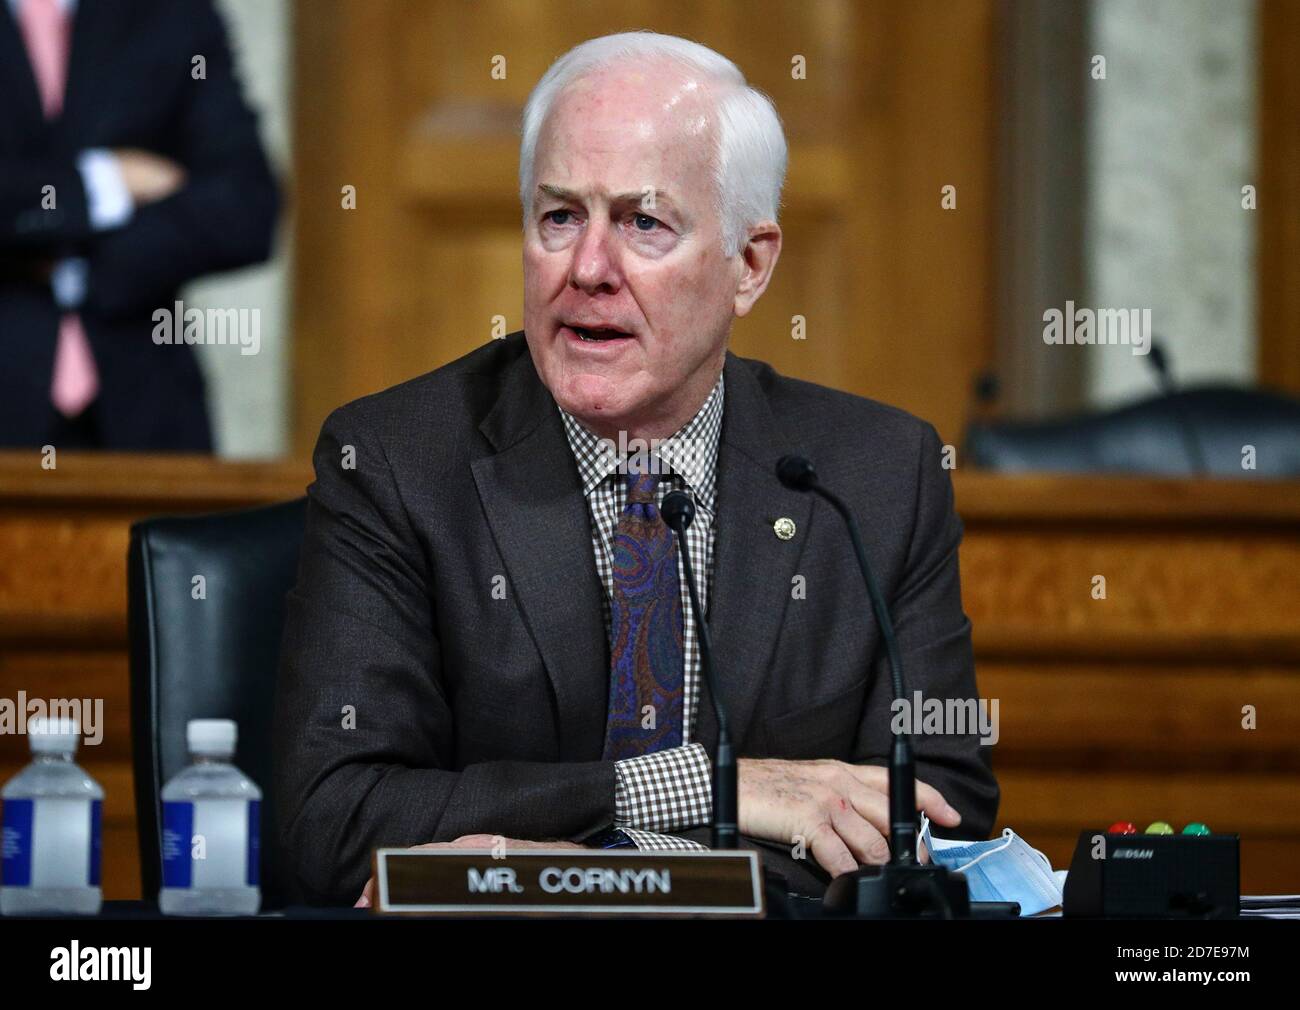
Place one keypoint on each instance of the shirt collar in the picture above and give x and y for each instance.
(691, 453)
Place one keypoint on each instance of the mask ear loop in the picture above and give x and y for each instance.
(1046, 862)
(1010, 837)
(1050, 873)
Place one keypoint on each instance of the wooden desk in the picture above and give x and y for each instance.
(1123, 708)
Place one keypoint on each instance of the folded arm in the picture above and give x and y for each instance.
(43, 203)
(222, 218)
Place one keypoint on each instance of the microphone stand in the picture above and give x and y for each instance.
(903, 887)
(678, 511)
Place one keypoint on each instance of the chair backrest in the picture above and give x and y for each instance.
(1197, 431)
(206, 602)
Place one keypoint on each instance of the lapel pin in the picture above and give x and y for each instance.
(784, 528)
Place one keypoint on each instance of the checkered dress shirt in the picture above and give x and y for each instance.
(666, 790)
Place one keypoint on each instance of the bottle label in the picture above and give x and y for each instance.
(52, 842)
(253, 871)
(96, 841)
(16, 837)
(178, 828)
(211, 843)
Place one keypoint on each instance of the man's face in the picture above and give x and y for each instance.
(624, 237)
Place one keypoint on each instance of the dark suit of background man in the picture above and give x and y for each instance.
(158, 177)
(491, 634)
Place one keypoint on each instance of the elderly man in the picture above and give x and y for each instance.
(491, 633)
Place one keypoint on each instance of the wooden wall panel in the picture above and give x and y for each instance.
(1278, 216)
(921, 328)
(1233, 585)
(1180, 716)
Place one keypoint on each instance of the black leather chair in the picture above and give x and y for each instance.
(1196, 431)
(212, 658)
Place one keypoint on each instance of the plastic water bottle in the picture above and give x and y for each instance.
(51, 828)
(211, 849)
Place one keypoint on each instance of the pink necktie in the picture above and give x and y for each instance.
(45, 30)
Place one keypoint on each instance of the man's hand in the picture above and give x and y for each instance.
(149, 177)
(841, 811)
(469, 842)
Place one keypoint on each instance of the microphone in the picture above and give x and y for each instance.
(903, 887)
(797, 473)
(1159, 362)
(678, 511)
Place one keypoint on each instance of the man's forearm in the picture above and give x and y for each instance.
(43, 203)
(360, 806)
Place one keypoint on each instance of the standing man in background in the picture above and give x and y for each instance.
(129, 165)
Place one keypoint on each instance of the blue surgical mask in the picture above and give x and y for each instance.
(1002, 869)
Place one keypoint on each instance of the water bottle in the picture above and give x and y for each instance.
(51, 825)
(211, 849)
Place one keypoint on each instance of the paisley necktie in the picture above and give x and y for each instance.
(646, 653)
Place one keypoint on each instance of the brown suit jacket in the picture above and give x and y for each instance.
(415, 704)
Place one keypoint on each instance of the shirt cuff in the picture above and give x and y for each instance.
(108, 201)
(650, 841)
(666, 790)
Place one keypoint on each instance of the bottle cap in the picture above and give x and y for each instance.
(211, 737)
(53, 736)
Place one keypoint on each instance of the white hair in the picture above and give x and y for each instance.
(749, 164)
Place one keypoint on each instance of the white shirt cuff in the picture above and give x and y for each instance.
(108, 200)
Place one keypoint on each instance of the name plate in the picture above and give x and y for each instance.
(568, 882)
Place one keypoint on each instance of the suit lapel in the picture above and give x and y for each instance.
(17, 82)
(100, 29)
(752, 567)
(533, 501)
